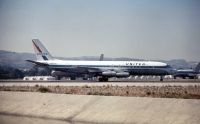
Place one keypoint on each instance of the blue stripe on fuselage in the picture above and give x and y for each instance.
(44, 57)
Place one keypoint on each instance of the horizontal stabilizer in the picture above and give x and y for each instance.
(37, 63)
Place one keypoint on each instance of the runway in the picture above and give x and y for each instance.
(84, 83)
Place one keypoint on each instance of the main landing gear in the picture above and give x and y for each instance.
(161, 78)
(103, 79)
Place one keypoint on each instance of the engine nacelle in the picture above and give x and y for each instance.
(57, 73)
(115, 74)
(122, 74)
(109, 73)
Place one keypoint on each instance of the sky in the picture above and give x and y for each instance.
(143, 29)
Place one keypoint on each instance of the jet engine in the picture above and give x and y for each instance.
(115, 74)
(109, 73)
(122, 74)
(57, 73)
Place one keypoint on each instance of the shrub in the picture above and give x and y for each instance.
(148, 93)
(44, 89)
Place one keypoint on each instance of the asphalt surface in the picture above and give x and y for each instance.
(90, 83)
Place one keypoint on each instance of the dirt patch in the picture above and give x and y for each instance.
(186, 92)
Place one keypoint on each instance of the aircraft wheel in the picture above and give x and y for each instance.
(72, 78)
(191, 77)
(103, 79)
(161, 78)
(85, 78)
(58, 77)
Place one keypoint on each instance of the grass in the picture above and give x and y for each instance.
(44, 89)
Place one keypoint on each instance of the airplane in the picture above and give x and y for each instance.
(103, 70)
(188, 73)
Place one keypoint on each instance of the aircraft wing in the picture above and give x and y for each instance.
(37, 63)
(98, 70)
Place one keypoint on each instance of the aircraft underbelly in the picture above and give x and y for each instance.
(99, 70)
(148, 72)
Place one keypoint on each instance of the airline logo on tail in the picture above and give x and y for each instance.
(37, 48)
(39, 51)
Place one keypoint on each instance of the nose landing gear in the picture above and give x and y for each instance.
(161, 78)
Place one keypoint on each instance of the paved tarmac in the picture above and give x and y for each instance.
(48, 108)
(78, 83)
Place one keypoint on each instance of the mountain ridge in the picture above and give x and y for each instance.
(18, 60)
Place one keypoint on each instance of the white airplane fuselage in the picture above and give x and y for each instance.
(132, 67)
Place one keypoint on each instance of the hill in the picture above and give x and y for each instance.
(18, 60)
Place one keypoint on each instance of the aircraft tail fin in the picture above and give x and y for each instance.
(197, 68)
(101, 57)
(40, 51)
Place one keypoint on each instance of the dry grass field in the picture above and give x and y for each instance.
(186, 92)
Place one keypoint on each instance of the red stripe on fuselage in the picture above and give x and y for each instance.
(37, 47)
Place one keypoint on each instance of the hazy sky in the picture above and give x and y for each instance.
(145, 29)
